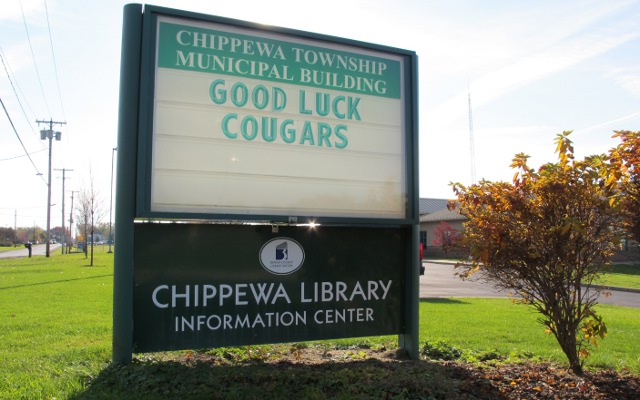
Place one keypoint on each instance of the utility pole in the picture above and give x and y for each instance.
(64, 233)
(472, 151)
(49, 134)
(71, 218)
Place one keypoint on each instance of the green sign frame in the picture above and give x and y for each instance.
(377, 248)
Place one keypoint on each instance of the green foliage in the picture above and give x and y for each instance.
(440, 350)
(8, 236)
(239, 355)
(592, 329)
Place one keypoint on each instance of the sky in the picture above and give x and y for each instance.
(530, 69)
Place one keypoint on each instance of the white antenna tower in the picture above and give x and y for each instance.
(471, 144)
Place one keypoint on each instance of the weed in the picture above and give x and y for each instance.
(296, 350)
(440, 350)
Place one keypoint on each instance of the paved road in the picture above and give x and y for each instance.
(439, 281)
(36, 250)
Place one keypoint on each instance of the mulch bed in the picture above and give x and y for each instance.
(545, 381)
(488, 380)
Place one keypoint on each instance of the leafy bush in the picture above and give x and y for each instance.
(440, 350)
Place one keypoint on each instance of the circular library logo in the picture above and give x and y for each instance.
(281, 256)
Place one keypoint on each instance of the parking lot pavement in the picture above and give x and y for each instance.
(439, 281)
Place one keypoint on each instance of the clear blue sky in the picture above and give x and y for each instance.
(533, 69)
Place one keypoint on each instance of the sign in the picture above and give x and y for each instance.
(250, 121)
(227, 129)
(241, 284)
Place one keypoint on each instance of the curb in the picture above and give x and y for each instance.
(615, 288)
(441, 262)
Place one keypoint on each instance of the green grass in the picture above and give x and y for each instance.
(484, 325)
(56, 330)
(623, 275)
(8, 248)
(56, 323)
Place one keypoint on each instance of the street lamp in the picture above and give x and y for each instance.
(111, 199)
(44, 135)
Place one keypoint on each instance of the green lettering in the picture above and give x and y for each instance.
(322, 104)
(225, 125)
(218, 96)
(340, 132)
(239, 94)
(288, 135)
(324, 132)
(307, 134)
(260, 97)
(269, 129)
(334, 107)
(353, 108)
(303, 109)
(279, 99)
(249, 127)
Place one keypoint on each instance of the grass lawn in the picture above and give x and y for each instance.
(56, 327)
(8, 248)
(623, 275)
(56, 323)
(484, 325)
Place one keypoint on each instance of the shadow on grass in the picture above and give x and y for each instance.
(440, 300)
(207, 379)
(58, 281)
(625, 269)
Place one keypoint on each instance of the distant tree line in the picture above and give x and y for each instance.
(36, 234)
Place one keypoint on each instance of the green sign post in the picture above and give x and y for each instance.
(286, 164)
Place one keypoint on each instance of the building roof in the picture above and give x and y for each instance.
(428, 206)
(443, 215)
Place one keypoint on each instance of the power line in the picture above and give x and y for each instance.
(8, 71)
(24, 155)
(53, 55)
(35, 64)
(21, 207)
(20, 140)
(23, 216)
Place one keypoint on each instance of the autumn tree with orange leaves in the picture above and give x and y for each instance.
(622, 175)
(545, 237)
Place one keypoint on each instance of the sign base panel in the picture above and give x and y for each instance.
(202, 286)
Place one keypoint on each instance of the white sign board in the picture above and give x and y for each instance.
(256, 122)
